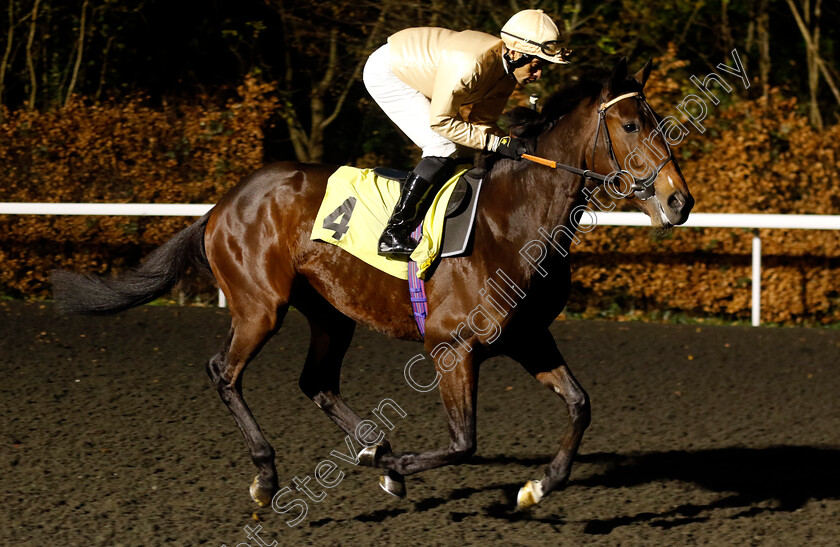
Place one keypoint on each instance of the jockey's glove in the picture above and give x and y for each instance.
(512, 147)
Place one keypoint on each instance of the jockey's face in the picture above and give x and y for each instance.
(528, 73)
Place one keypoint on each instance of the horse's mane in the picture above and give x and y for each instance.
(527, 123)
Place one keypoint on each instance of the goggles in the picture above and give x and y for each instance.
(551, 48)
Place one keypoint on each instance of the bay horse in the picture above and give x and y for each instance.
(256, 243)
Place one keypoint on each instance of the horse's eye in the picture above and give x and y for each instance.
(631, 128)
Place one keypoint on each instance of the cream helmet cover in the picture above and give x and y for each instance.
(533, 32)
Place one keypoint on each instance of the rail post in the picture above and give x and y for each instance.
(756, 279)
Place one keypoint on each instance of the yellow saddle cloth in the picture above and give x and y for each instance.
(356, 209)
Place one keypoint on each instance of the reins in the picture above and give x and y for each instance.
(641, 187)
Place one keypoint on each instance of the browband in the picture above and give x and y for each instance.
(608, 104)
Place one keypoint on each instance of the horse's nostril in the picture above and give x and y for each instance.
(676, 201)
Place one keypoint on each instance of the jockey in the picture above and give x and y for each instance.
(444, 88)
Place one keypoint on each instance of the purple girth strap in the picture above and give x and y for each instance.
(417, 290)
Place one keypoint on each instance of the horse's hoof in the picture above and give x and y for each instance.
(259, 493)
(529, 495)
(370, 456)
(393, 483)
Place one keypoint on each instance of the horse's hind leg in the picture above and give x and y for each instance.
(332, 333)
(225, 369)
(539, 355)
(319, 380)
(458, 392)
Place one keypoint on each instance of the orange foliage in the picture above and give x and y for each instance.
(117, 152)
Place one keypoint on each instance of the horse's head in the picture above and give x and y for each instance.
(609, 128)
(629, 141)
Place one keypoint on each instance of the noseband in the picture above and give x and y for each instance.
(642, 187)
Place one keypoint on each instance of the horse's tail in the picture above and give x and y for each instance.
(163, 268)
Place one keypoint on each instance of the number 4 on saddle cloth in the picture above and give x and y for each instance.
(358, 203)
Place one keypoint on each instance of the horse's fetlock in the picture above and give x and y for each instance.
(463, 450)
(262, 454)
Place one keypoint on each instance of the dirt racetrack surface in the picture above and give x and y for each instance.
(113, 435)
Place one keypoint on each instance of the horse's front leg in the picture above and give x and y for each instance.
(539, 355)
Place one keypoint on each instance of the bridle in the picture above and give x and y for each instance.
(642, 188)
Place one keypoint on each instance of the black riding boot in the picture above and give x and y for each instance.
(420, 188)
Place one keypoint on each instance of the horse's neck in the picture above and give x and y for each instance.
(528, 203)
(571, 137)
(545, 197)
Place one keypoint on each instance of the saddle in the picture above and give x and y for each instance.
(460, 210)
(358, 202)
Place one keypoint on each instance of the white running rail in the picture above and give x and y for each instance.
(695, 220)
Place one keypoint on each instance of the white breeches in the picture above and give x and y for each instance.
(407, 107)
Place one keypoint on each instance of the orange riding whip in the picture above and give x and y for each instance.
(554, 165)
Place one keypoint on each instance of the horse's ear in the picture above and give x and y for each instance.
(618, 77)
(642, 75)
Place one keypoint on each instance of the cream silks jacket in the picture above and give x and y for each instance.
(455, 70)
